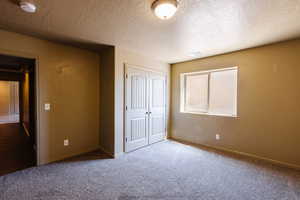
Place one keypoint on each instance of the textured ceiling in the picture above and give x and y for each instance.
(208, 27)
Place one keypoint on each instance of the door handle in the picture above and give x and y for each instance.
(147, 113)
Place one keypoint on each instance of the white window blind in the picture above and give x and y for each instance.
(210, 92)
(197, 84)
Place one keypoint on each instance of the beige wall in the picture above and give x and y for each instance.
(107, 73)
(68, 78)
(125, 56)
(268, 104)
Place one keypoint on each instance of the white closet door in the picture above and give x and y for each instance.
(136, 132)
(157, 107)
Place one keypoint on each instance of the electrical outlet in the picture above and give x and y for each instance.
(218, 137)
(47, 106)
(66, 142)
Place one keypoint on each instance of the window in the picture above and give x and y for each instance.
(210, 92)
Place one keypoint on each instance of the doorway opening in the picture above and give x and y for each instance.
(17, 114)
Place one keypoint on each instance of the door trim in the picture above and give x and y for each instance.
(147, 69)
(37, 94)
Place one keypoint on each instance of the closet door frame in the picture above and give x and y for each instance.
(125, 128)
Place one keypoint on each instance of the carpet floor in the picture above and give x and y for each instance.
(166, 170)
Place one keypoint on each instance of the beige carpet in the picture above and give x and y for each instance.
(166, 170)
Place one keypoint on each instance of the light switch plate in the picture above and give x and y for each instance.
(218, 137)
(66, 142)
(47, 106)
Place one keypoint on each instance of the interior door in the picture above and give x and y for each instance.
(157, 107)
(136, 102)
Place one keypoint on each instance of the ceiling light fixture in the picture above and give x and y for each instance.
(27, 6)
(165, 9)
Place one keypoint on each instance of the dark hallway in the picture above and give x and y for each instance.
(16, 150)
(17, 114)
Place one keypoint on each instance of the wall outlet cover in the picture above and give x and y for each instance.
(218, 137)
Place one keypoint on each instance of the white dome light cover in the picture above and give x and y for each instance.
(27, 6)
(165, 9)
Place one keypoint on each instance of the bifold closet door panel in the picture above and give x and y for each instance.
(136, 123)
(157, 107)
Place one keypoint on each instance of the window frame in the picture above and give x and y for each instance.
(183, 91)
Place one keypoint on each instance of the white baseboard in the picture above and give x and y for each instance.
(117, 155)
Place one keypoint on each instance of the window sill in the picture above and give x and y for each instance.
(209, 114)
